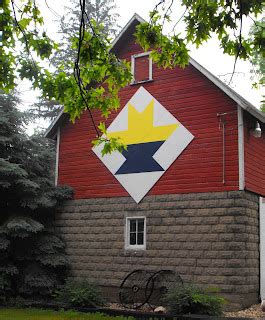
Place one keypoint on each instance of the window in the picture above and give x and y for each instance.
(135, 235)
(141, 67)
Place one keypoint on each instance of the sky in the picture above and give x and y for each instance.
(209, 55)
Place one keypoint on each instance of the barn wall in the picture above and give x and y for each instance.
(254, 154)
(211, 238)
(195, 102)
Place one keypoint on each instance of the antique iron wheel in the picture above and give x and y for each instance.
(159, 284)
(133, 292)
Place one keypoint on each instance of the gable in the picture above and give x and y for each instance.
(196, 99)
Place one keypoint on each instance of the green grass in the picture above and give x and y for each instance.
(37, 314)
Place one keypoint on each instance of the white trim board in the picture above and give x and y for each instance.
(58, 136)
(262, 247)
(123, 30)
(241, 160)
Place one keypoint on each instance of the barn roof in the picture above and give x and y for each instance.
(118, 42)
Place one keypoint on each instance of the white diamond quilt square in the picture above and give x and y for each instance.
(154, 139)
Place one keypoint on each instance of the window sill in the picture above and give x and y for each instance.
(140, 82)
(142, 248)
(133, 253)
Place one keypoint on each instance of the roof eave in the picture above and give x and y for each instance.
(243, 103)
(52, 129)
(124, 29)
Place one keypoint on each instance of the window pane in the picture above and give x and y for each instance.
(140, 238)
(132, 225)
(132, 238)
(140, 225)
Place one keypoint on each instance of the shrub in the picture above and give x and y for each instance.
(191, 299)
(80, 294)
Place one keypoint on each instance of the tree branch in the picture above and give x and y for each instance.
(23, 32)
(240, 42)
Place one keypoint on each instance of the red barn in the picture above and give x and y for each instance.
(185, 196)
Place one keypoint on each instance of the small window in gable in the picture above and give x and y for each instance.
(135, 235)
(141, 67)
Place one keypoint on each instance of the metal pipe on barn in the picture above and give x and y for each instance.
(222, 122)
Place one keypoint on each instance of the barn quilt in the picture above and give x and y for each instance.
(154, 139)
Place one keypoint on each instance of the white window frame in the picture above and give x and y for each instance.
(128, 246)
(138, 55)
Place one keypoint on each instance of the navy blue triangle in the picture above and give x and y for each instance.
(139, 158)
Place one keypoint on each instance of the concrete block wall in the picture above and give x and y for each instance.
(211, 239)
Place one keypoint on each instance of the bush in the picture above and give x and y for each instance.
(191, 299)
(80, 294)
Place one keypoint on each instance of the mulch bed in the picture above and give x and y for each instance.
(253, 312)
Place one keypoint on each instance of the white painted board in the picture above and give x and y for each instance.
(262, 248)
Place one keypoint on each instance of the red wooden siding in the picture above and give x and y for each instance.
(254, 153)
(195, 102)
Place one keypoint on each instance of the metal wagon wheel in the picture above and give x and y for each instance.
(160, 284)
(132, 292)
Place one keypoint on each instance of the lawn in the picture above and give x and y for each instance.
(37, 314)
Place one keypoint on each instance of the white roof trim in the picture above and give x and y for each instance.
(53, 123)
(134, 17)
(243, 103)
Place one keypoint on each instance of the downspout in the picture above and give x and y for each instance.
(241, 162)
(58, 135)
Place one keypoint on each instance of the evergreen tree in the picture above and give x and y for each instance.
(32, 258)
(103, 13)
(258, 59)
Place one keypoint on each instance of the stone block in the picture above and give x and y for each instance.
(219, 280)
(240, 203)
(190, 262)
(210, 220)
(236, 194)
(224, 254)
(210, 254)
(226, 237)
(168, 221)
(201, 212)
(226, 220)
(156, 221)
(219, 228)
(210, 237)
(236, 280)
(204, 262)
(203, 229)
(236, 228)
(196, 220)
(197, 237)
(236, 211)
(219, 246)
(236, 246)
(200, 203)
(182, 220)
(235, 263)
(190, 229)
(191, 213)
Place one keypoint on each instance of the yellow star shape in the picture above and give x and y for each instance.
(141, 127)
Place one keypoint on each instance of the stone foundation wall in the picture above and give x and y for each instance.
(209, 238)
